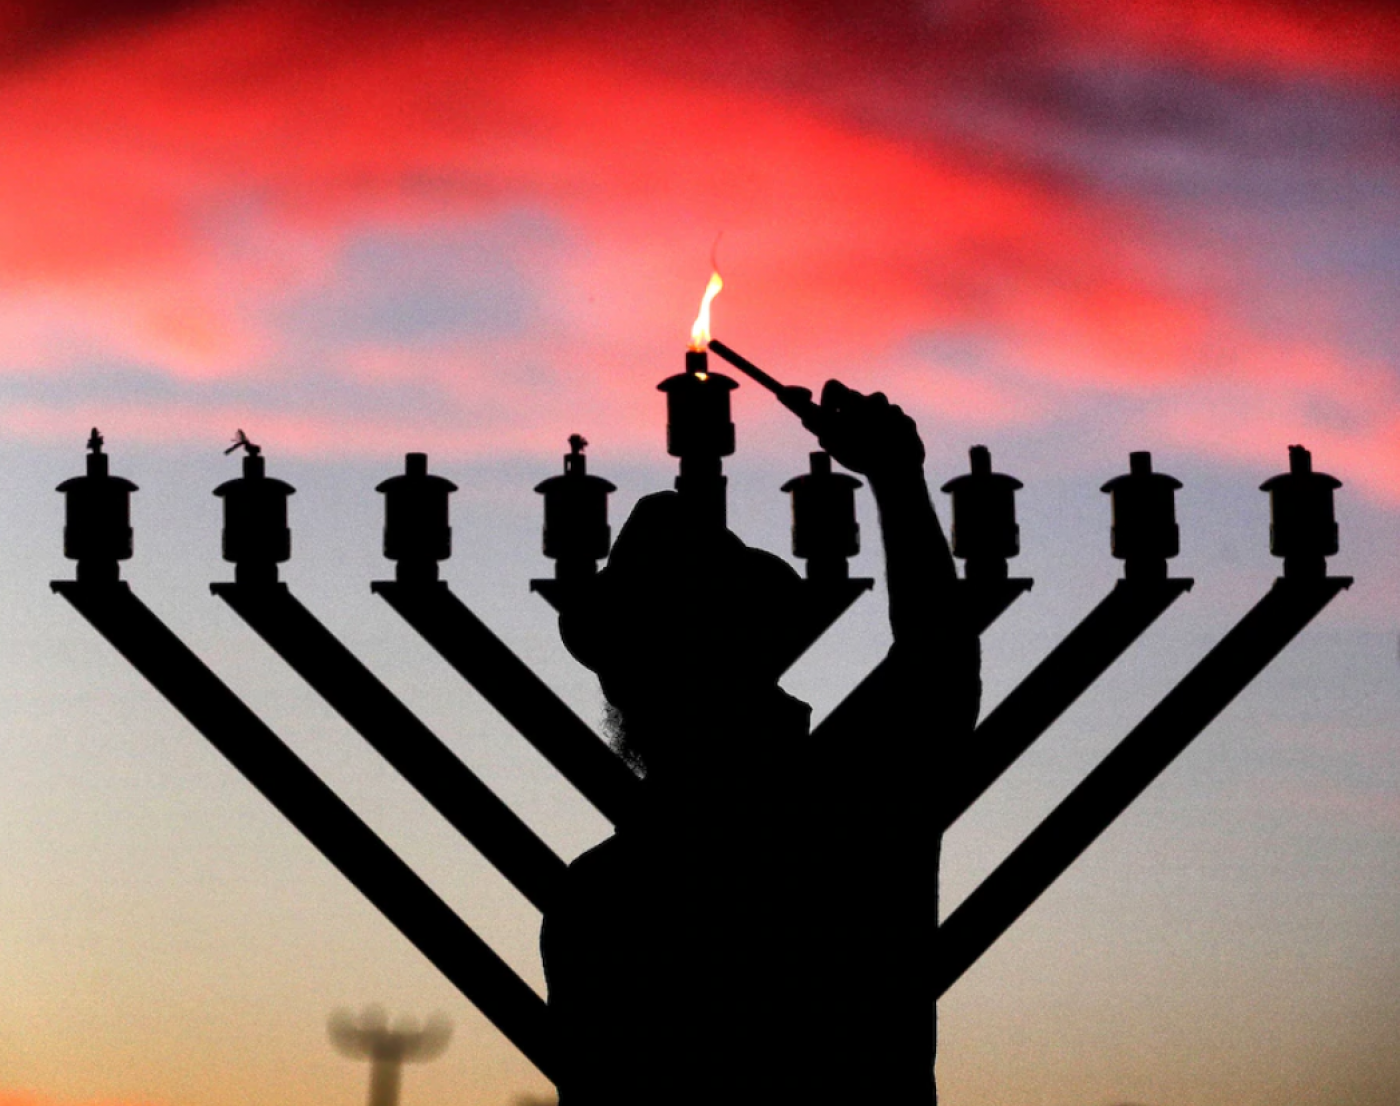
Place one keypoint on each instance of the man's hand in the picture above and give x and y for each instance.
(867, 434)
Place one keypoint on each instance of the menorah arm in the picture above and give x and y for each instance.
(988, 600)
(1064, 675)
(397, 734)
(517, 694)
(851, 717)
(1126, 772)
(306, 801)
(824, 602)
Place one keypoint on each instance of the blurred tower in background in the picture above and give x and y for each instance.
(371, 1038)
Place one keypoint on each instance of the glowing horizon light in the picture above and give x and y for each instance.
(700, 331)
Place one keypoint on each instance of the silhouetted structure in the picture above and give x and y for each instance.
(1144, 537)
(576, 531)
(256, 540)
(256, 535)
(699, 433)
(281, 776)
(417, 534)
(387, 1048)
(97, 506)
(806, 862)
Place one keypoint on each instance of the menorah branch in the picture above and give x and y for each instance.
(398, 735)
(986, 600)
(985, 536)
(321, 816)
(516, 693)
(1062, 677)
(1127, 771)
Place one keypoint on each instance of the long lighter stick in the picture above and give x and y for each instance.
(795, 399)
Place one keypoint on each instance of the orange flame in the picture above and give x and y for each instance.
(700, 332)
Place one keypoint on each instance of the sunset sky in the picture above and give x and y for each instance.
(1066, 230)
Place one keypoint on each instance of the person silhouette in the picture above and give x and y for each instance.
(761, 927)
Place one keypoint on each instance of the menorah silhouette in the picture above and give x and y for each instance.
(417, 537)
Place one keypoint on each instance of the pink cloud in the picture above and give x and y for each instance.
(213, 166)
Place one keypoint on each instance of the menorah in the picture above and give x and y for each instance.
(700, 434)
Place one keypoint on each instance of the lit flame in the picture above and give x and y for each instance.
(700, 332)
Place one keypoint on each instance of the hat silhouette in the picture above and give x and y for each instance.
(677, 590)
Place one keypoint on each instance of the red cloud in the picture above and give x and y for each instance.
(212, 166)
(1351, 41)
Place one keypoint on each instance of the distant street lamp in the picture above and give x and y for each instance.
(371, 1038)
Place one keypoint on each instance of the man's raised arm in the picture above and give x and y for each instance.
(871, 436)
(932, 674)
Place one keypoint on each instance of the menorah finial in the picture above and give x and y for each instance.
(1145, 534)
(984, 533)
(256, 536)
(576, 531)
(824, 528)
(371, 1038)
(700, 433)
(97, 531)
(417, 522)
(1303, 519)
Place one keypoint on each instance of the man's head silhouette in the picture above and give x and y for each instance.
(687, 629)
